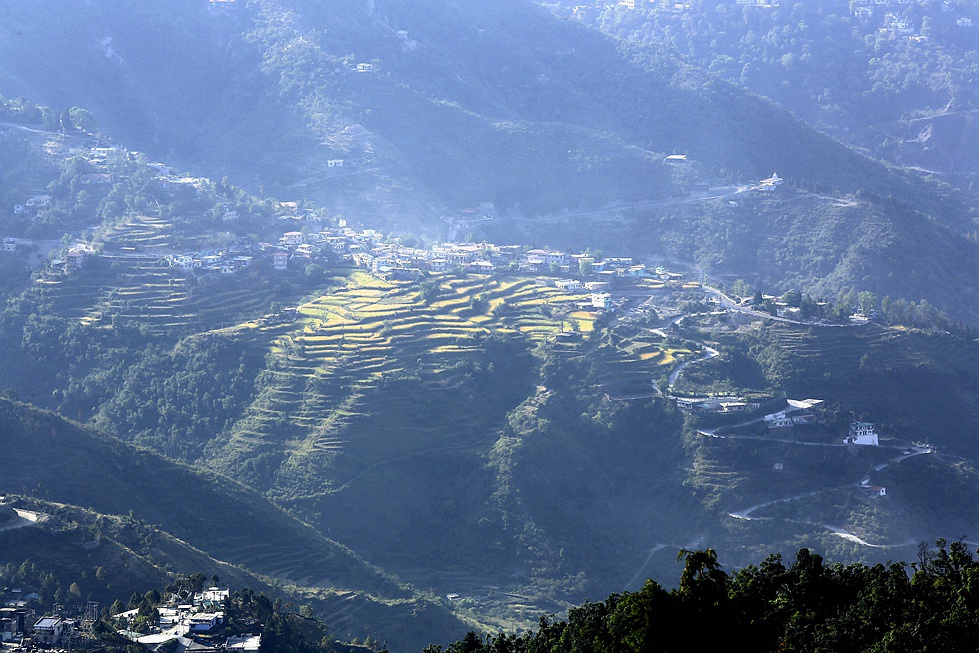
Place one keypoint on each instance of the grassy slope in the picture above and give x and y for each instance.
(215, 514)
(914, 386)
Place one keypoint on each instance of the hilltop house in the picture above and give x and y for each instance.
(557, 258)
(862, 433)
(769, 184)
(568, 285)
(12, 621)
(292, 238)
(778, 421)
(75, 258)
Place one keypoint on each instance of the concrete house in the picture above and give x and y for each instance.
(601, 301)
(12, 621)
(862, 433)
(202, 622)
(52, 631)
(292, 238)
(280, 260)
(246, 643)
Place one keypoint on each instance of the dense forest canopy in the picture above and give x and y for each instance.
(807, 605)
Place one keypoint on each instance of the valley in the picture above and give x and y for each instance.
(369, 391)
(422, 318)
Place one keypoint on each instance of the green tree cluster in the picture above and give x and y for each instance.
(806, 606)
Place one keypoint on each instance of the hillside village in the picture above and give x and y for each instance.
(178, 624)
(298, 239)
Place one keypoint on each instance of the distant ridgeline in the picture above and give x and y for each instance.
(806, 606)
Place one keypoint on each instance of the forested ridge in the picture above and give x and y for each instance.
(894, 78)
(803, 605)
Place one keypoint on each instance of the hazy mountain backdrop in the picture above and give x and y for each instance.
(413, 458)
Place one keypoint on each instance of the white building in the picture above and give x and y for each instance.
(778, 421)
(52, 631)
(601, 300)
(280, 260)
(205, 621)
(247, 643)
(862, 433)
(292, 238)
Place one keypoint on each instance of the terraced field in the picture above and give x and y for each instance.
(149, 234)
(133, 282)
(326, 370)
(348, 343)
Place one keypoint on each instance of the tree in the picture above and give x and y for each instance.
(84, 120)
(792, 298)
(866, 302)
(740, 288)
(314, 273)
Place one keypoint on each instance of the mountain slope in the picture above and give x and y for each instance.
(65, 462)
(429, 106)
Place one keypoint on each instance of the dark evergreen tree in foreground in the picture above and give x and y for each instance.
(930, 605)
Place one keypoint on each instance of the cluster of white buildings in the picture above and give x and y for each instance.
(392, 260)
(32, 204)
(216, 261)
(179, 622)
(18, 625)
(724, 404)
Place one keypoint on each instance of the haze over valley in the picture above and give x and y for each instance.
(408, 319)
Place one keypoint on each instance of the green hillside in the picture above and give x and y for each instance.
(773, 605)
(415, 457)
(893, 79)
(423, 103)
(224, 522)
(913, 385)
(433, 110)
